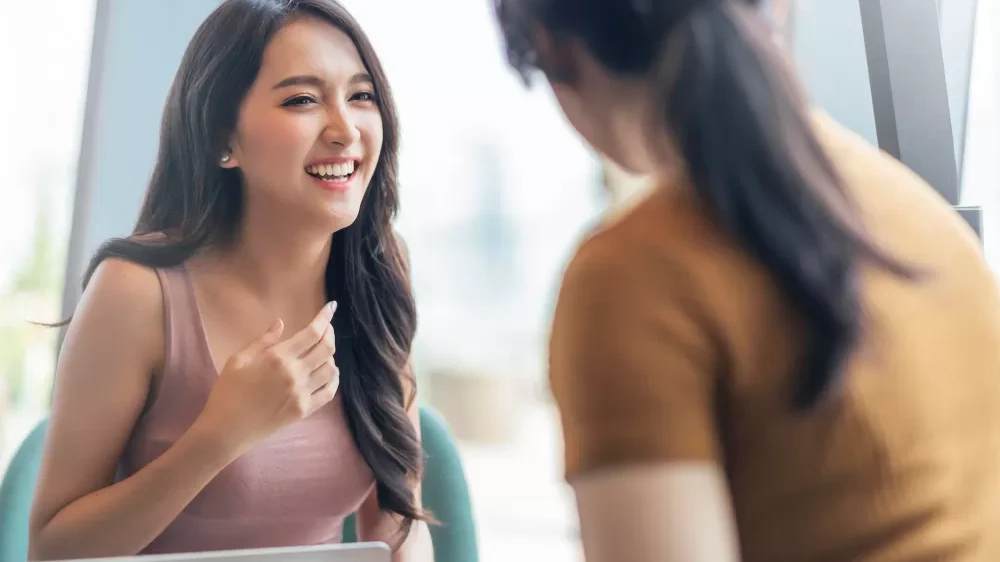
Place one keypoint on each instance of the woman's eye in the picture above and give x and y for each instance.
(363, 96)
(299, 101)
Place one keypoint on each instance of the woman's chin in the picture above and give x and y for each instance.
(338, 217)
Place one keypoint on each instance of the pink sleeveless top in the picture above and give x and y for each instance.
(295, 488)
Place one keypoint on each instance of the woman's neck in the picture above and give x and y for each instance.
(275, 258)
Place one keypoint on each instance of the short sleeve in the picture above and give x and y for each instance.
(631, 367)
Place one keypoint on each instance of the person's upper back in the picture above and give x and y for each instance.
(294, 488)
(670, 342)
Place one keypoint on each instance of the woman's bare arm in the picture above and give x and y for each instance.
(112, 347)
(664, 512)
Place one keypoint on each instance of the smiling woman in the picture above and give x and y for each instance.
(300, 95)
(199, 403)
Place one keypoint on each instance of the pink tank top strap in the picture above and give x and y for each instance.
(186, 352)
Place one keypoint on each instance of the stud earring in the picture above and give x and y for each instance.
(226, 158)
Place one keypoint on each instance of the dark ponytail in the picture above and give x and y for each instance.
(741, 128)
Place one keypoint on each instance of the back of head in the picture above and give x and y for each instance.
(739, 125)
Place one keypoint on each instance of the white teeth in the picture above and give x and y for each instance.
(332, 170)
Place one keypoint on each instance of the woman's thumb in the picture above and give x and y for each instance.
(270, 337)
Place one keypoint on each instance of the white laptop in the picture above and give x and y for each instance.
(358, 552)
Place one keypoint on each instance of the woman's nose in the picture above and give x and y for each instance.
(340, 128)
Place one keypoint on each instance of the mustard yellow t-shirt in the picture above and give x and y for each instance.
(670, 343)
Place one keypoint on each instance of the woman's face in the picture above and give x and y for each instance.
(309, 133)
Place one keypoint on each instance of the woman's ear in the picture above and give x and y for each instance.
(229, 157)
(556, 57)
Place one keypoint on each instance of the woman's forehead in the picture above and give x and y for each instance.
(308, 46)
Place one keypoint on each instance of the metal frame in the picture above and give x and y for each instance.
(910, 96)
(909, 89)
(958, 22)
(973, 216)
(82, 200)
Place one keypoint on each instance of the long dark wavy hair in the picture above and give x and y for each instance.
(736, 114)
(192, 203)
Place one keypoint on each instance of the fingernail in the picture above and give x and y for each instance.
(331, 307)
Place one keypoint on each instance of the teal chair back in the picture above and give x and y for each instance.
(444, 487)
(16, 492)
(444, 492)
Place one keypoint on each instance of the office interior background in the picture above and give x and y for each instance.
(496, 191)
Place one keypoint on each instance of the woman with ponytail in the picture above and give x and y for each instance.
(789, 351)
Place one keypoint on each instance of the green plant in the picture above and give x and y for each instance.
(36, 284)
